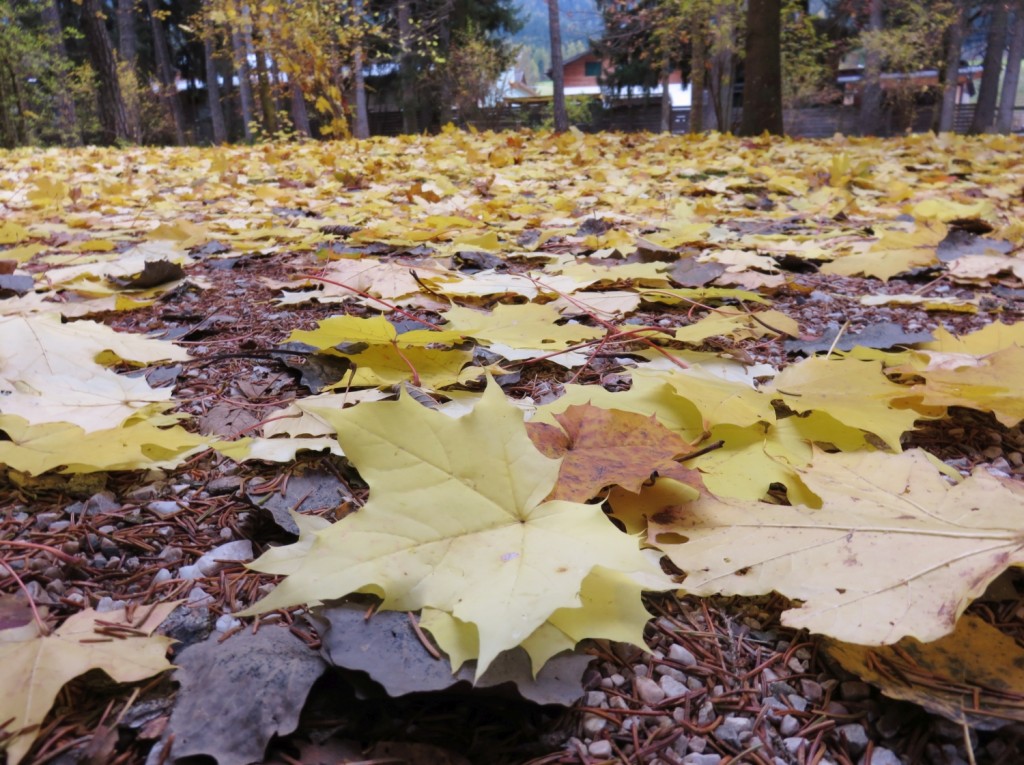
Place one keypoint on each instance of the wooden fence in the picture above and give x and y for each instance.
(818, 122)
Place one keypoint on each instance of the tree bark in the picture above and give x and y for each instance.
(762, 92)
(115, 123)
(698, 66)
(557, 71)
(67, 115)
(361, 122)
(951, 72)
(241, 56)
(266, 96)
(870, 118)
(167, 73)
(127, 35)
(407, 72)
(1008, 96)
(300, 116)
(666, 97)
(220, 132)
(985, 110)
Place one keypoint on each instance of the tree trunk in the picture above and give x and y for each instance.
(241, 56)
(167, 73)
(698, 66)
(127, 35)
(220, 132)
(407, 71)
(266, 96)
(762, 92)
(1008, 97)
(666, 97)
(300, 117)
(67, 115)
(985, 110)
(361, 123)
(870, 118)
(557, 70)
(951, 72)
(114, 119)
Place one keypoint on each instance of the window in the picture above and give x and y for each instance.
(592, 69)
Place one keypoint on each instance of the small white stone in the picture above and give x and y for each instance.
(648, 690)
(600, 749)
(672, 687)
(789, 725)
(593, 724)
(793, 743)
(681, 655)
(226, 623)
(213, 561)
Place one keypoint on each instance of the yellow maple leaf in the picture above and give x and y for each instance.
(457, 521)
(893, 551)
(34, 667)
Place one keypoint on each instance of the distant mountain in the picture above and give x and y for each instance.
(581, 22)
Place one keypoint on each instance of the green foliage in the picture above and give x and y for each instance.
(30, 75)
(806, 74)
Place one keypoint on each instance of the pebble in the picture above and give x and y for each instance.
(43, 520)
(672, 687)
(706, 713)
(163, 507)
(648, 691)
(214, 560)
(789, 725)
(799, 703)
(702, 759)
(617, 680)
(735, 731)
(226, 533)
(161, 576)
(226, 622)
(600, 749)
(592, 724)
(811, 690)
(880, 756)
(109, 547)
(56, 588)
(107, 604)
(698, 744)
(793, 743)
(681, 655)
(597, 699)
(190, 572)
(170, 553)
(856, 737)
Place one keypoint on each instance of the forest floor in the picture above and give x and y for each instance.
(262, 237)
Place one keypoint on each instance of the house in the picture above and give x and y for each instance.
(582, 78)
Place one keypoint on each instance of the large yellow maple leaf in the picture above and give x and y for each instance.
(894, 551)
(456, 521)
(51, 372)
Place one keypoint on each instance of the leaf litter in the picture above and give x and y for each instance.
(561, 305)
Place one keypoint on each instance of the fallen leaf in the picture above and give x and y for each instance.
(856, 393)
(894, 551)
(34, 668)
(238, 694)
(972, 676)
(602, 447)
(456, 521)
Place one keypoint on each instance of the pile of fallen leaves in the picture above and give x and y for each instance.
(530, 390)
